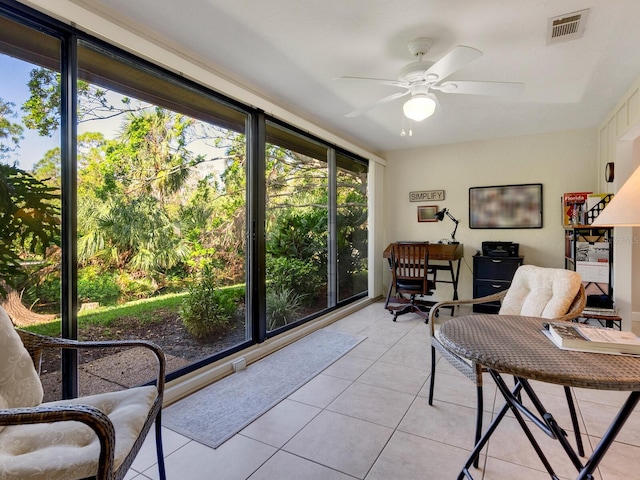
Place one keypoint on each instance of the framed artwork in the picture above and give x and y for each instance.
(427, 213)
(506, 206)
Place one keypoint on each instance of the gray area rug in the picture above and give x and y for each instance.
(217, 412)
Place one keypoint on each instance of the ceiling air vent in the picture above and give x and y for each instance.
(566, 27)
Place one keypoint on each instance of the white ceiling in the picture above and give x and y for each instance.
(291, 51)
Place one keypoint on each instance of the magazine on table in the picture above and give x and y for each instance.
(589, 338)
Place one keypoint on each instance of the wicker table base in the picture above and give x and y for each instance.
(516, 345)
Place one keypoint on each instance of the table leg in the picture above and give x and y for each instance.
(485, 438)
(609, 436)
(455, 279)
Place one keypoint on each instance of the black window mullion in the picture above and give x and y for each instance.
(68, 160)
(332, 241)
(256, 241)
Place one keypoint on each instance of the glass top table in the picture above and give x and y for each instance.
(516, 345)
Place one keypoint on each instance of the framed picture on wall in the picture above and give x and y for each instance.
(427, 213)
(506, 206)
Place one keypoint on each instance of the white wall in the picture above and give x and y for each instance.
(562, 162)
(619, 142)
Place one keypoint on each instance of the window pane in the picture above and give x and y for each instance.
(161, 211)
(29, 173)
(296, 227)
(352, 227)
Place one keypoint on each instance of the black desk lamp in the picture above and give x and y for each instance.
(440, 216)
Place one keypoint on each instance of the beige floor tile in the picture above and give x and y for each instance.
(460, 390)
(605, 397)
(236, 459)
(443, 422)
(284, 466)
(387, 332)
(510, 444)
(395, 377)
(410, 353)
(373, 404)
(340, 442)
(495, 469)
(321, 390)
(598, 417)
(147, 457)
(348, 367)
(281, 423)
(409, 457)
(369, 349)
(621, 462)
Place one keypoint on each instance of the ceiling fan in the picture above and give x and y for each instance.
(421, 77)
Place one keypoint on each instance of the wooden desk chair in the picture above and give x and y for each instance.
(97, 436)
(411, 278)
(552, 293)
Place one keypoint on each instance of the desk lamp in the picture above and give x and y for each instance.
(624, 209)
(440, 216)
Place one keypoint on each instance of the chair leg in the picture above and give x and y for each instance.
(574, 420)
(479, 413)
(433, 374)
(159, 451)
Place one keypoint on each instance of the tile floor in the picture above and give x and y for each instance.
(367, 417)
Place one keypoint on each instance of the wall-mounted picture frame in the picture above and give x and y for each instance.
(427, 213)
(506, 206)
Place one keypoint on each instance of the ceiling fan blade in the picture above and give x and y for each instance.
(384, 81)
(451, 62)
(480, 88)
(373, 105)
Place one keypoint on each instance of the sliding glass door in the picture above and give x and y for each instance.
(139, 204)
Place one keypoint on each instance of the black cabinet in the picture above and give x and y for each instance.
(492, 275)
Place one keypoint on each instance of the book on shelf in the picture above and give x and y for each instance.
(603, 312)
(588, 338)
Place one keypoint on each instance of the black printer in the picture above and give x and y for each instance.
(500, 249)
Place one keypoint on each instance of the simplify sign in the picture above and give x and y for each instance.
(427, 196)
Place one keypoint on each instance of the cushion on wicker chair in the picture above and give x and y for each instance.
(19, 382)
(541, 292)
(69, 450)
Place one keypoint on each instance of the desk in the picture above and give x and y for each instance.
(516, 345)
(443, 253)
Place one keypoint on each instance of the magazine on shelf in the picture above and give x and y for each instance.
(589, 338)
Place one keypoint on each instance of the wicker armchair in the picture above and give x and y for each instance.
(556, 294)
(96, 436)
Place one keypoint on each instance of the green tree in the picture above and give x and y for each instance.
(42, 108)
(10, 132)
(29, 215)
(29, 221)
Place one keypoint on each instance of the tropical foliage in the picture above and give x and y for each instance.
(161, 208)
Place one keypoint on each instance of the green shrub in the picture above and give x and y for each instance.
(283, 307)
(96, 286)
(134, 288)
(286, 274)
(207, 311)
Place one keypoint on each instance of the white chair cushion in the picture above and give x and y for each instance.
(541, 292)
(70, 450)
(19, 382)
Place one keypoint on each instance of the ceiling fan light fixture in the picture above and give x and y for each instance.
(419, 107)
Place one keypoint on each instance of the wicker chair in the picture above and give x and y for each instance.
(96, 436)
(556, 294)
(411, 278)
